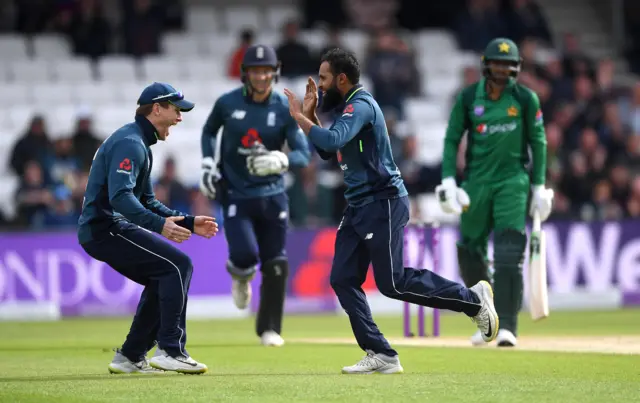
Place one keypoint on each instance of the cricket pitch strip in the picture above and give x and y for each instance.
(629, 345)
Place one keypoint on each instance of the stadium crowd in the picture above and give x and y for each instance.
(592, 125)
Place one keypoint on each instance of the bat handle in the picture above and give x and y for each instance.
(537, 223)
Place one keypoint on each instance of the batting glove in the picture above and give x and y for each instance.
(452, 199)
(271, 163)
(210, 175)
(541, 201)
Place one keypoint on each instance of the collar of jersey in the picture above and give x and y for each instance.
(149, 133)
(482, 91)
(348, 97)
(250, 100)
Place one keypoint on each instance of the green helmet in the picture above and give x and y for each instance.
(502, 49)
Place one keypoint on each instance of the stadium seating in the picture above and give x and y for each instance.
(44, 77)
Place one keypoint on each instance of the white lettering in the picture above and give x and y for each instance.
(597, 262)
(30, 280)
(629, 267)
(127, 290)
(55, 264)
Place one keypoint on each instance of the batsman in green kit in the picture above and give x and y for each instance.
(505, 133)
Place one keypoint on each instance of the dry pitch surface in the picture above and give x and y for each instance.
(574, 344)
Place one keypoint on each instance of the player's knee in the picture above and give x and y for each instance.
(508, 249)
(393, 285)
(278, 267)
(184, 264)
(339, 280)
(242, 269)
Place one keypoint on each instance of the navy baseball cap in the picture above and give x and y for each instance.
(161, 92)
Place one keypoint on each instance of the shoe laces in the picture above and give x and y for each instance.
(368, 360)
(482, 318)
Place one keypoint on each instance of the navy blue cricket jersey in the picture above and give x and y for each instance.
(359, 137)
(119, 186)
(246, 123)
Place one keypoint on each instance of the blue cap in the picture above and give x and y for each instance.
(161, 92)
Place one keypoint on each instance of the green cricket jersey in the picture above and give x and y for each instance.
(499, 134)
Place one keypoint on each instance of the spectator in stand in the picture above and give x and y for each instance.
(525, 20)
(90, 31)
(247, 38)
(576, 62)
(294, 55)
(62, 165)
(33, 197)
(177, 195)
(334, 40)
(143, 26)
(33, 146)
(478, 24)
(392, 69)
(61, 214)
(85, 141)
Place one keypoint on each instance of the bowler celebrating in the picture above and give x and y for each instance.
(372, 228)
(120, 214)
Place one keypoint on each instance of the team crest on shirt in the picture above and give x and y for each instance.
(249, 140)
(124, 167)
(512, 111)
(348, 111)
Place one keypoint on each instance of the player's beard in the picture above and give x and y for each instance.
(331, 99)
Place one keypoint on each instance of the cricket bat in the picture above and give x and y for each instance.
(538, 298)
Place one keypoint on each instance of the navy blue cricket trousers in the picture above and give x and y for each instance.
(164, 271)
(374, 234)
(256, 230)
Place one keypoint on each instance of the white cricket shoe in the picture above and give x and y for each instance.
(375, 363)
(477, 340)
(241, 292)
(181, 364)
(487, 318)
(122, 365)
(271, 339)
(506, 338)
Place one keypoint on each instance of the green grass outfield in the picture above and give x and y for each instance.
(67, 362)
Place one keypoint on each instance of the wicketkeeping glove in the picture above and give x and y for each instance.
(270, 163)
(210, 175)
(452, 199)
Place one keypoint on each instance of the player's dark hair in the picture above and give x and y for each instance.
(145, 110)
(342, 61)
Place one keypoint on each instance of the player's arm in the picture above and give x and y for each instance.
(209, 144)
(125, 162)
(149, 201)
(300, 155)
(536, 137)
(214, 122)
(322, 153)
(346, 127)
(453, 136)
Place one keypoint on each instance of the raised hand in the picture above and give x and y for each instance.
(310, 101)
(295, 106)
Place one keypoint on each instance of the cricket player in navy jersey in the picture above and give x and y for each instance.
(372, 228)
(243, 167)
(120, 215)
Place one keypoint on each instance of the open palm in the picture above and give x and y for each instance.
(310, 101)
